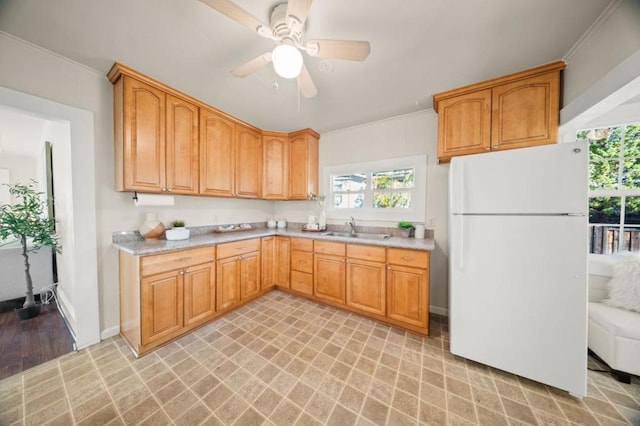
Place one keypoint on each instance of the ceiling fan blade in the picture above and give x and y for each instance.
(339, 49)
(253, 65)
(298, 11)
(306, 85)
(238, 14)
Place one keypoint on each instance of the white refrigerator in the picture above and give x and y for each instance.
(518, 262)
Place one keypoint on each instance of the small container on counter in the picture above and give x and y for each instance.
(282, 224)
(271, 223)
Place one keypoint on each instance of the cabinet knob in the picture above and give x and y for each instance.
(187, 271)
(169, 189)
(407, 258)
(495, 147)
(487, 149)
(389, 267)
(181, 273)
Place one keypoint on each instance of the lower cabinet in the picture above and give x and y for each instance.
(302, 265)
(282, 269)
(329, 271)
(165, 295)
(366, 278)
(408, 287)
(268, 254)
(238, 272)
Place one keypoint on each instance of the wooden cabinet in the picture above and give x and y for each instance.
(165, 295)
(329, 271)
(283, 262)
(302, 265)
(303, 164)
(230, 157)
(169, 142)
(238, 272)
(275, 155)
(268, 254)
(366, 278)
(156, 139)
(408, 287)
(514, 111)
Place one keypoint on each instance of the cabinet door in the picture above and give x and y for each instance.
(182, 146)
(268, 253)
(329, 277)
(366, 286)
(144, 137)
(227, 283)
(408, 295)
(162, 309)
(464, 124)
(303, 166)
(199, 293)
(525, 112)
(217, 154)
(249, 275)
(248, 166)
(275, 154)
(283, 262)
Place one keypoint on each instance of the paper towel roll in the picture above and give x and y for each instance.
(153, 200)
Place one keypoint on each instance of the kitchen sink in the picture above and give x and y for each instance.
(359, 235)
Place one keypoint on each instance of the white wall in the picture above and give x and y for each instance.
(21, 168)
(408, 135)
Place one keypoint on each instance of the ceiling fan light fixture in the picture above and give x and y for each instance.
(287, 61)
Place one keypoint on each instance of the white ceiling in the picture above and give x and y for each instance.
(418, 48)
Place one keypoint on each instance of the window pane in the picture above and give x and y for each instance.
(348, 201)
(632, 140)
(350, 182)
(604, 210)
(631, 238)
(632, 211)
(391, 199)
(603, 174)
(631, 173)
(393, 179)
(603, 143)
(603, 239)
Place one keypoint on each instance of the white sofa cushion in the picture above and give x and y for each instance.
(624, 286)
(618, 322)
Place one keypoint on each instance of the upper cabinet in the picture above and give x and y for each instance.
(169, 142)
(514, 111)
(303, 164)
(275, 160)
(230, 157)
(156, 139)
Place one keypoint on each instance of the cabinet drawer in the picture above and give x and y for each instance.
(302, 244)
(415, 258)
(329, 247)
(238, 247)
(158, 263)
(302, 261)
(372, 253)
(302, 282)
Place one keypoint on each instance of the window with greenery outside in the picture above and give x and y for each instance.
(614, 188)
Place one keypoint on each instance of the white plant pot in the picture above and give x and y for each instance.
(174, 234)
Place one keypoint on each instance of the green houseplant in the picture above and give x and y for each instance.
(405, 228)
(177, 224)
(27, 220)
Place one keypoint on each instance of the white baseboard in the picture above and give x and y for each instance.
(110, 332)
(439, 311)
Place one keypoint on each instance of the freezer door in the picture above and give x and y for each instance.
(518, 296)
(540, 180)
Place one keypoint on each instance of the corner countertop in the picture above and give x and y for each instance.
(143, 248)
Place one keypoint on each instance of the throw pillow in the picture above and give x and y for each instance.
(624, 286)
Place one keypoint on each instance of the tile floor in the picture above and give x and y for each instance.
(284, 360)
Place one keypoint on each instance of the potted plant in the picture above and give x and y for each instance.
(177, 231)
(406, 228)
(27, 220)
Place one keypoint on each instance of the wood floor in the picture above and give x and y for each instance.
(25, 344)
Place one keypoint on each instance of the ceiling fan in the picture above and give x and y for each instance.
(287, 31)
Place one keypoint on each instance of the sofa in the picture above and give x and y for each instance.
(614, 333)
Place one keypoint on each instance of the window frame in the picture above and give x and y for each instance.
(415, 213)
(620, 192)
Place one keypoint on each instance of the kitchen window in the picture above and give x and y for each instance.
(614, 188)
(385, 190)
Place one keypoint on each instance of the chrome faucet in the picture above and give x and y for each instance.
(352, 224)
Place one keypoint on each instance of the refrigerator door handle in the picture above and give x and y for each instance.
(459, 244)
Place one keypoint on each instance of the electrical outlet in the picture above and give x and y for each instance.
(431, 223)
